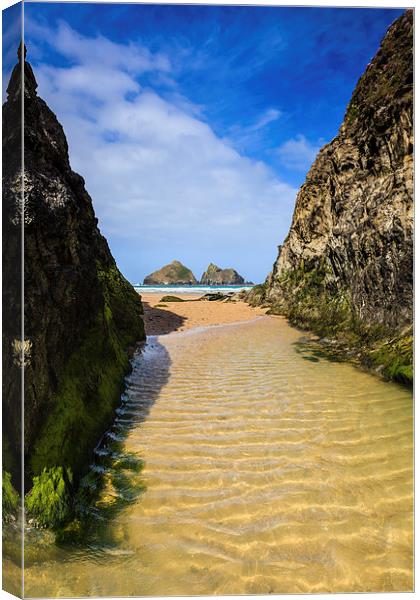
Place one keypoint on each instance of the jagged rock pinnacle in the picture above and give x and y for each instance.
(14, 87)
(19, 52)
(68, 264)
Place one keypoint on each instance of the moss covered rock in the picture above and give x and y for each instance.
(49, 500)
(394, 358)
(82, 317)
(10, 497)
(171, 299)
(256, 296)
(345, 268)
(90, 384)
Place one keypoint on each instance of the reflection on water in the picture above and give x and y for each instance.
(260, 472)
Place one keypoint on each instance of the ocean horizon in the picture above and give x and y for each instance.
(191, 289)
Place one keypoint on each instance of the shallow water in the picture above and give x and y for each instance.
(259, 469)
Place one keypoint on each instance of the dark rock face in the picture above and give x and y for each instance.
(214, 275)
(175, 273)
(81, 315)
(347, 260)
(12, 283)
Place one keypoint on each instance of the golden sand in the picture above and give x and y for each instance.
(263, 471)
(164, 317)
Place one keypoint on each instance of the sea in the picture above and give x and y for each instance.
(190, 289)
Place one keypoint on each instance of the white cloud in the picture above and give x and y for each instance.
(298, 153)
(251, 135)
(157, 172)
(98, 50)
(270, 115)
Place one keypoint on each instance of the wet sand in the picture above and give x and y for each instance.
(239, 465)
(161, 318)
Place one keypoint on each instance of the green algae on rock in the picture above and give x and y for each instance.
(256, 296)
(90, 387)
(82, 318)
(171, 299)
(394, 358)
(10, 497)
(49, 500)
(345, 268)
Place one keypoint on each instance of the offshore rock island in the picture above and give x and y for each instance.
(214, 275)
(82, 318)
(174, 273)
(345, 270)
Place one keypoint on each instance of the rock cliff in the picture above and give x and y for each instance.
(175, 273)
(345, 268)
(81, 315)
(214, 275)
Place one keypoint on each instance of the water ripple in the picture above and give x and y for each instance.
(263, 472)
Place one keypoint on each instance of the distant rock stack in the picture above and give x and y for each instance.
(81, 315)
(214, 275)
(175, 274)
(347, 262)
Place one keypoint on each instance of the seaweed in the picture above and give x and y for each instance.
(171, 299)
(49, 500)
(89, 390)
(310, 300)
(10, 497)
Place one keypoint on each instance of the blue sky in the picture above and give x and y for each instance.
(194, 126)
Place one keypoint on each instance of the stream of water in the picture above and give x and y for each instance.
(240, 463)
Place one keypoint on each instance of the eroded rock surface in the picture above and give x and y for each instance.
(175, 273)
(81, 315)
(214, 275)
(346, 264)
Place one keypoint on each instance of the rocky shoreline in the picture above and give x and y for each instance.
(388, 358)
(345, 270)
(82, 317)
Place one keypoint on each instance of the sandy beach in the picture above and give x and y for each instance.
(161, 318)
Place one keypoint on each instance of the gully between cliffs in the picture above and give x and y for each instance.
(242, 463)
